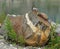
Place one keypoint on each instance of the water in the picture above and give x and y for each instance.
(50, 7)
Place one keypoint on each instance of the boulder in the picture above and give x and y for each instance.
(33, 28)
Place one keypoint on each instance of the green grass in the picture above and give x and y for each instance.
(54, 42)
(2, 17)
(11, 34)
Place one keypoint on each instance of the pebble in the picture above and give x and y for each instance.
(39, 48)
(10, 46)
(1, 43)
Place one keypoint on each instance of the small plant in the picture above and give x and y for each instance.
(11, 34)
(21, 40)
(54, 42)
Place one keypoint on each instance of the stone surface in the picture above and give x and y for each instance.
(29, 32)
(6, 45)
(2, 30)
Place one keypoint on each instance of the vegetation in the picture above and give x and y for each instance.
(54, 42)
(2, 11)
(11, 34)
(2, 17)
